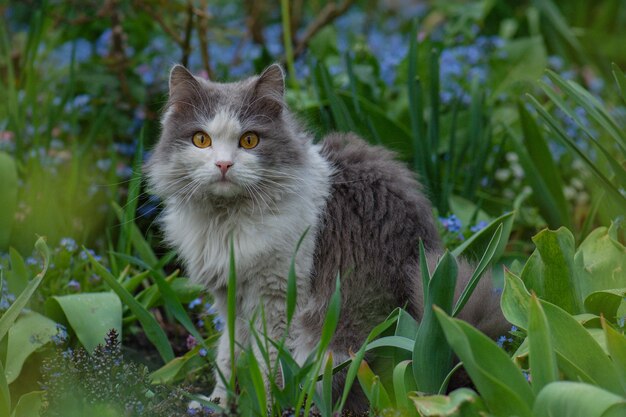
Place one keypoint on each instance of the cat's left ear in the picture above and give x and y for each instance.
(269, 90)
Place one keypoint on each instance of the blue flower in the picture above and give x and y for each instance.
(195, 302)
(74, 285)
(202, 352)
(68, 244)
(218, 322)
(479, 226)
(451, 224)
(500, 341)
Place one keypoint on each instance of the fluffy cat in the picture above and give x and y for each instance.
(231, 159)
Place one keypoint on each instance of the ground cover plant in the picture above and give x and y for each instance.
(513, 115)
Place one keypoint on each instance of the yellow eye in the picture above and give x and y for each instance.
(201, 140)
(249, 140)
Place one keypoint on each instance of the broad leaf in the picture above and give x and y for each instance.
(576, 399)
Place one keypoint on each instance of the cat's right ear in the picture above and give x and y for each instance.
(180, 76)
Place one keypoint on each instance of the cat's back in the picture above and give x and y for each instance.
(371, 226)
(371, 187)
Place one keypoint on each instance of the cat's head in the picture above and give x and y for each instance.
(225, 141)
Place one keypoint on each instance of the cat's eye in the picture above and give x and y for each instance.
(201, 140)
(249, 140)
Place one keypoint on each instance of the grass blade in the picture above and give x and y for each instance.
(9, 316)
(482, 265)
(154, 333)
(541, 353)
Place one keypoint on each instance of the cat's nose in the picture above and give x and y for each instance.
(224, 165)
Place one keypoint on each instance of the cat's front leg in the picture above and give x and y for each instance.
(222, 368)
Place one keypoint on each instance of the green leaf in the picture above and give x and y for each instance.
(9, 316)
(482, 265)
(576, 399)
(616, 343)
(332, 317)
(231, 308)
(579, 356)
(605, 302)
(292, 287)
(29, 405)
(620, 79)
(500, 383)
(151, 327)
(551, 271)
(400, 388)
(541, 172)
(8, 196)
(399, 342)
(90, 315)
(432, 358)
(30, 332)
(461, 402)
(515, 300)
(603, 258)
(373, 389)
(5, 395)
(474, 247)
(326, 404)
(17, 277)
(543, 366)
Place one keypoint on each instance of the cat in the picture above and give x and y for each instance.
(232, 161)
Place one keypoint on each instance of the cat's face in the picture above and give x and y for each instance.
(224, 141)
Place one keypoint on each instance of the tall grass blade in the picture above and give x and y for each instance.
(153, 330)
(482, 265)
(12, 313)
(231, 306)
(292, 286)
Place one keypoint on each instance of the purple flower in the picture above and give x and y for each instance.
(191, 342)
(74, 285)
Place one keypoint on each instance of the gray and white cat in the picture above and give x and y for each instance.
(232, 159)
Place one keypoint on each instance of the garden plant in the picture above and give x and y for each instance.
(512, 114)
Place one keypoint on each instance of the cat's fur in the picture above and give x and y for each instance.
(365, 212)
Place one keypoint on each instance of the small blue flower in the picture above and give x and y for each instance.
(195, 302)
(68, 244)
(192, 411)
(218, 322)
(451, 224)
(202, 352)
(479, 226)
(74, 285)
(500, 341)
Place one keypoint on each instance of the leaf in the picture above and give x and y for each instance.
(400, 388)
(5, 395)
(373, 389)
(8, 196)
(432, 358)
(551, 271)
(9, 316)
(603, 258)
(616, 343)
(541, 172)
(576, 399)
(332, 317)
(90, 315)
(515, 300)
(500, 383)
(620, 79)
(151, 327)
(17, 277)
(605, 302)
(480, 268)
(399, 342)
(579, 356)
(474, 247)
(30, 332)
(292, 293)
(543, 366)
(460, 402)
(29, 405)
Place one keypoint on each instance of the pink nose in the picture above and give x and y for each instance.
(223, 166)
